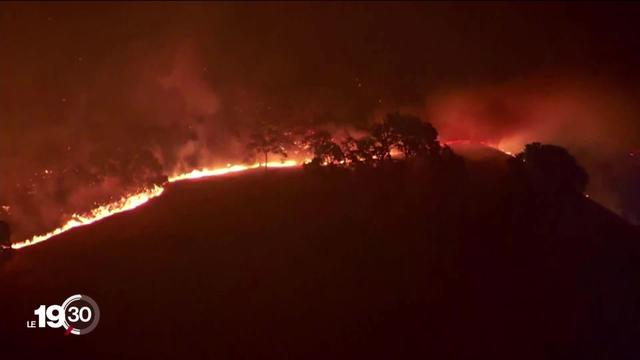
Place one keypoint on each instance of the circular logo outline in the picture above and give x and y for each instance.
(95, 309)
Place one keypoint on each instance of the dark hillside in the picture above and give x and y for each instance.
(386, 263)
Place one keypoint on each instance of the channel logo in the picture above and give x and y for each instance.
(78, 315)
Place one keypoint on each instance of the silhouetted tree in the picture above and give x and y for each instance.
(549, 170)
(268, 140)
(412, 136)
(5, 235)
(407, 133)
(325, 150)
(384, 139)
(359, 152)
(450, 158)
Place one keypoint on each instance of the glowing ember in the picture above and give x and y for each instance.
(133, 201)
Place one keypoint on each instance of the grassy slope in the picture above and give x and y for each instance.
(293, 265)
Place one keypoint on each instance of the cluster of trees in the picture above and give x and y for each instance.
(540, 168)
(406, 136)
(548, 170)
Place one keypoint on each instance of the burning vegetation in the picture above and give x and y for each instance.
(399, 139)
(411, 179)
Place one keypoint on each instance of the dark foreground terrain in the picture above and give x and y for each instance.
(291, 264)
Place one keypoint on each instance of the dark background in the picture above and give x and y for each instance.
(83, 84)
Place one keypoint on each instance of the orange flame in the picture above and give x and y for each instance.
(123, 204)
(197, 174)
(130, 202)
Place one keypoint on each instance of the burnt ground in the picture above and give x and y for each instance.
(380, 264)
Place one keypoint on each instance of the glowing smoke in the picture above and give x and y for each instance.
(595, 119)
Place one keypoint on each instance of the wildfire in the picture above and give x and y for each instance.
(197, 174)
(99, 213)
(130, 202)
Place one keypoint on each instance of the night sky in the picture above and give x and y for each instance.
(86, 82)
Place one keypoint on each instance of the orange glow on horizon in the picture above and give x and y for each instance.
(500, 146)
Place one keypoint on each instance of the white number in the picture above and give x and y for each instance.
(79, 314)
(57, 319)
(85, 319)
(74, 313)
(41, 315)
